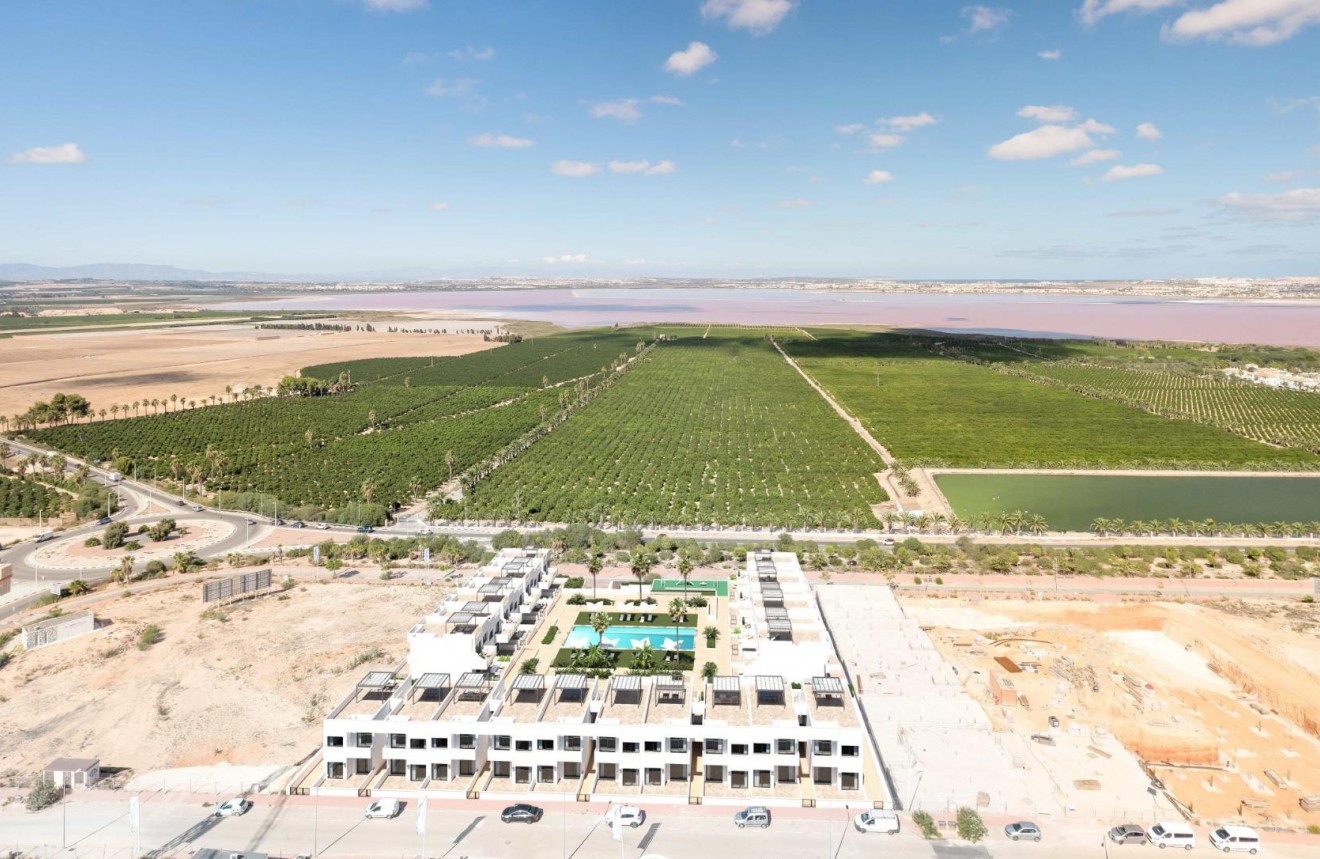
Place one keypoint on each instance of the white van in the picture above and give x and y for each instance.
(1231, 838)
(385, 808)
(1171, 835)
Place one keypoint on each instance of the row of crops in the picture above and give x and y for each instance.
(1271, 415)
(22, 498)
(388, 441)
(715, 431)
(930, 408)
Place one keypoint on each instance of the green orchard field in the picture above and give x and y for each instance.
(713, 431)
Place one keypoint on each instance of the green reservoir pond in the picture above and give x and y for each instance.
(1073, 502)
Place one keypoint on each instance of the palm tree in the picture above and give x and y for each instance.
(644, 659)
(684, 571)
(1037, 524)
(594, 565)
(184, 561)
(640, 562)
(124, 571)
(600, 621)
(174, 400)
(1101, 526)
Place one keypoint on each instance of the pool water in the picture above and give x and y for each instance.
(632, 637)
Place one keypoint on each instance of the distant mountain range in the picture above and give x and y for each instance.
(126, 271)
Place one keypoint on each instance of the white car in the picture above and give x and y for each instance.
(322, 526)
(235, 807)
(885, 822)
(628, 815)
(386, 808)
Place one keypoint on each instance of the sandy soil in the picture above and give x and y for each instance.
(1224, 692)
(247, 690)
(118, 367)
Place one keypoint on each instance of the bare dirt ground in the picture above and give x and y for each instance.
(119, 367)
(1222, 700)
(246, 685)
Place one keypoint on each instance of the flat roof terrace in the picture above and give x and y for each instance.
(625, 700)
(426, 697)
(369, 695)
(568, 698)
(527, 694)
(827, 698)
(471, 693)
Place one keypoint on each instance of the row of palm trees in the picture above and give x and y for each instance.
(153, 406)
(1202, 528)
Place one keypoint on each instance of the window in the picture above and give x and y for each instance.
(365, 740)
(334, 742)
(760, 748)
(823, 747)
(608, 744)
(334, 769)
(573, 744)
(761, 778)
(739, 748)
(467, 741)
(572, 771)
(678, 744)
(523, 745)
(398, 741)
(503, 742)
(738, 779)
(545, 774)
(653, 745)
(850, 781)
(850, 751)
(417, 743)
(440, 771)
(631, 748)
(547, 745)
(439, 742)
(467, 768)
(785, 747)
(608, 772)
(714, 747)
(396, 767)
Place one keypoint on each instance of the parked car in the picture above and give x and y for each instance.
(1022, 830)
(197, 508)
(298, 524)
(628, 815)
(1235, 839)
(877, 821)
(521, 813)
(322, 526)
(1172, 834)
(178, 502)
(1128, 833)
(386, 808)
(250, 521)
(45, 536)
(753, 815)
(235, 807)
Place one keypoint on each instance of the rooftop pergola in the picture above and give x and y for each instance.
(670, 689)
(726, 689)
(490, 590)
(778, 623)
(529, 685)
(628, 684)
(772, 593)
(432, 682)
(473, 685)
(462, 621)
(769, 688)
(571, 686)
(828, 690)
(375, 684)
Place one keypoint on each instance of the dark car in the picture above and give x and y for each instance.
(521, 813)
(1128, 833)
(178, 502)
(365, 529)
(298, 524)
(104, 520)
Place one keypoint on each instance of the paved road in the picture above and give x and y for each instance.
(97, 825)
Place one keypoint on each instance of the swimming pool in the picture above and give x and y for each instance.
(632, 637)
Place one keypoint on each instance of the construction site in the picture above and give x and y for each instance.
(1215, 707)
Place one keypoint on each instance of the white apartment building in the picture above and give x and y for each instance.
(781, 727)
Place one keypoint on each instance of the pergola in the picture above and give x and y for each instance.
(828, 691)
(571, 686)
(726, 689)
(531, 685)
(769, 688)
(375, 684)
(629, 684)
(491, 591)
(778, 623)
(772, 593)
(474, 685)
(429, 682)
(670, 689)
(462, 621)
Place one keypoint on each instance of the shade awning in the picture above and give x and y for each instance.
(473, 680)
(769, 683)
(528, 682)
(827, 685)
(431, 680)
(626, 683)
(376, 680)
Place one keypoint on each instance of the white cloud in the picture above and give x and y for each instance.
(575, 169)
(759, 16)
(795, 203)
(1291, 104)
(882, 140)
(1246, 22)
(984, 18)
(907, 123)
(1053, 54)
(1094, 10)
(412, 58)
(1095, 156)
(471, 52)
(877, 177)
(395, 5)
(567, 258)
(692, 59)
(1048, 113)
(501, 141)
(850, 128)
(1289, 175)
(458, 88)
(1135, 171)
(1300, 205)
(1093, 127)
(65, 153)
(645, 168)
(439, 207)
(1148, 131)
(628, 109)
(1046, 141)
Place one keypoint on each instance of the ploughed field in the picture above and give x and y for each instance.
(708, 425)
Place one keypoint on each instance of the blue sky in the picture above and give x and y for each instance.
(899, 138)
